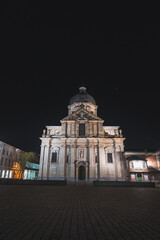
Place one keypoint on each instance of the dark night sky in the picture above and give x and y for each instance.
(49, 51)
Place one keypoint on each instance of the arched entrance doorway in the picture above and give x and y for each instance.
(81, 173)
(139, 177)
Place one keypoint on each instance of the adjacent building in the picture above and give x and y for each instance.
(9, 168)
(142, 166)
(31, 171)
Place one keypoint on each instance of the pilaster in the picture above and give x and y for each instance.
(40, 174)
(46, 159)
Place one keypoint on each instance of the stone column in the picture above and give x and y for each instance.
(73, 158)
(88, 159)
(63, 128)
(69, 129)
(89, 129)
(45, 165)
(102, 162)
(49, 163)
(40, 174)
(65, 159)
(73, 129)
(61, 163)
(92, 163)
(95, 129)
(100, 129)
(98, 162)
(115, 162)
(122, 165)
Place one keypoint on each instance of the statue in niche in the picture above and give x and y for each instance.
(57, 131)
(81, 153)
(48, 131)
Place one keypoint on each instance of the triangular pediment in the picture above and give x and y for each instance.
(82, 114)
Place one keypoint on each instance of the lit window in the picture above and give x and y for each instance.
(131, 165)
(7, 172)
(145, 177)
(10, 174)
(3, 173)
(138, 165)
(133, 177)
(144, 165)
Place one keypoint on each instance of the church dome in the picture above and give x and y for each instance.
(82, 96)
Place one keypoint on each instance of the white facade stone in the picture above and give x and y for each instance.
(66, 154)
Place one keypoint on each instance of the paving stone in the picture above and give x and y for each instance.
(80, 212)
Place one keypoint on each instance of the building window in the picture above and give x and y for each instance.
(131, 165)
(7, 173)
(110, 159)
(82, 129)
(10, 174)
(1, 161)
(96, 159)
(133, 177)
(3, 173)
(145, 177)
(3, 151)
(5, 164)
(144, 165)
(54, 157)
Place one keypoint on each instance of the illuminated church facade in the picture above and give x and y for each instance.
(82, 148)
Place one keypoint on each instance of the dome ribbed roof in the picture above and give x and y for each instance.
(82, 96)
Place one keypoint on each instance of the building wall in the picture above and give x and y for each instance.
(8, 157)
(89, 151)
(149, 173)
(74, 152)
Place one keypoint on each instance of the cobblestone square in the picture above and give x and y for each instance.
(79, 212)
